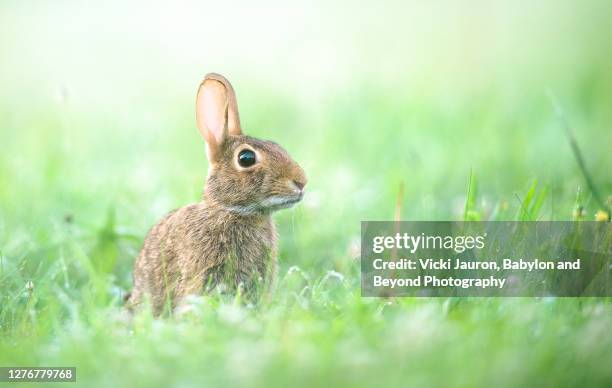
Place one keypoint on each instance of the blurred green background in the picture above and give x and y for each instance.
(389, 107)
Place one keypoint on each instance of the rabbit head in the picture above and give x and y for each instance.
(246, 175)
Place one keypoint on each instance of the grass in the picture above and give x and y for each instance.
(89, 164)
(68, 245)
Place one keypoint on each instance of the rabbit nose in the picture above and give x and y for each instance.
(299, 184)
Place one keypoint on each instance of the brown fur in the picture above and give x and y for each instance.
(229, 237)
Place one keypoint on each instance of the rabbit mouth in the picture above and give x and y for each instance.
(266, 206)
(281, 202)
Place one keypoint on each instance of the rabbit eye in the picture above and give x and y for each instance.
(246, 158)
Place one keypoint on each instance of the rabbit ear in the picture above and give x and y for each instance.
(233, 119)
(216, 112)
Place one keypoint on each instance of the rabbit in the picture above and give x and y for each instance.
(227, 239)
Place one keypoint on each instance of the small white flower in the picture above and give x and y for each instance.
(29, 285)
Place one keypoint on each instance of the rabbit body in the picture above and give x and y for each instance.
(196, 247)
